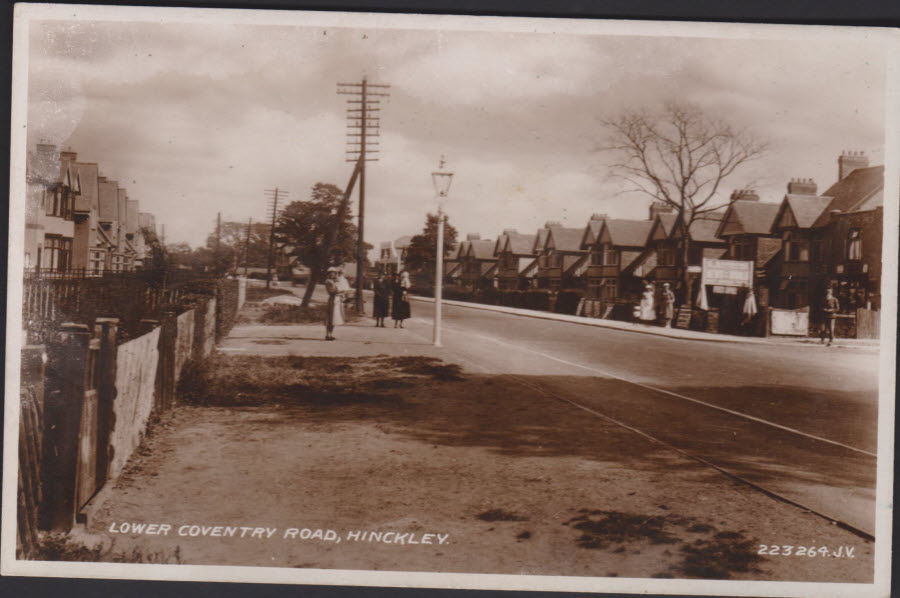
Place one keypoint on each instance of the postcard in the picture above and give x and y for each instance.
(451, 302)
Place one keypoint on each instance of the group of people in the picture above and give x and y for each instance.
(646, 311)
(391, 297)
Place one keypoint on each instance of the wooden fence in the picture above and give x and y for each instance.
(86, 400)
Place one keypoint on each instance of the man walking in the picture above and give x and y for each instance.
(830, 309)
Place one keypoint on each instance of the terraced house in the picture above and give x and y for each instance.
(77, 220)
(747, 229)
(561, 261)
(516, 260)
(476, 261)
(615, 246)
(833, 240)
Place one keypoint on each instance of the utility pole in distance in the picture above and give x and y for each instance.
(247, 247)
(362, 127)
(273, 196)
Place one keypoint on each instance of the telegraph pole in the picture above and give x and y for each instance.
(247, 247)
(218, 243)
(359, 118)
(273, 195)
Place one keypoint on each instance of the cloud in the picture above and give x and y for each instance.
(195, 119)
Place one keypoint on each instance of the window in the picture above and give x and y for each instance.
(596, 258)
(666, 256)
(611, 289)
(610, 256)
(818, 250)
(593, 288)
(854, 245)
(57, 253)
(57, 202)
(743, 248)
(96, 259)
(796, 249)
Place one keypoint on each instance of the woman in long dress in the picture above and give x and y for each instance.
(382, 301)
(334, 314)
(400, 308)
(647, 313)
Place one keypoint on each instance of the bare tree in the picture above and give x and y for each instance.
(680, 156)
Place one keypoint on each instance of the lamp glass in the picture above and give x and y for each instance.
(441, 181)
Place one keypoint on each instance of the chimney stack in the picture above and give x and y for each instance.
(850, 161)
(598, 216)
(550, 223)
(659, 207)
(744, 194)
(68, 155)
(510, 231)
(473, 237)
(802, 187)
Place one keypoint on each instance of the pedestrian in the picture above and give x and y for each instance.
(400, 308)
(830, 308)
(647, 313)
(334, 313)
(382, 300)
(668, 298)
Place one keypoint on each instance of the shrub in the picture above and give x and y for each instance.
(567, 301)
(538, 299)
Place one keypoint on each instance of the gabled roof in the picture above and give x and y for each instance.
(799, 211)
(481, 249)
(591, 233)
(488, 269)
(402, 242)
(539, 240)
(748, 217)
(626, 233)
(462, 249)
(703, 229)
(662, 226)
(852, 191)
(518, 243)
(564, 239)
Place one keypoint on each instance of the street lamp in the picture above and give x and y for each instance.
(441, 181)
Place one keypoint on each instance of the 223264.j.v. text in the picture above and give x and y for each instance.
(845, 552)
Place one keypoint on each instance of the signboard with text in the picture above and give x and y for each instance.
(727, 273)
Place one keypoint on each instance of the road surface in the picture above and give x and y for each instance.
(798, 421)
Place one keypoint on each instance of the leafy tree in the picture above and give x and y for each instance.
(305, 230)
(421, 254)
(234, 249)
(680, 156)
(157, 260)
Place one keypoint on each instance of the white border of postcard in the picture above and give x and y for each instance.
(888, 38)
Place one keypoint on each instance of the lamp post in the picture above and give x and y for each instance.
(441, 181)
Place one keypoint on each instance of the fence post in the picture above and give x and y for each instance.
(65, 381)
(107, 329)
(200, 313)
(165, 369)
(31, 424)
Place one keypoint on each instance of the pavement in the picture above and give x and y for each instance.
(865, 344)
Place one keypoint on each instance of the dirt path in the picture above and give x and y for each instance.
(484, 476)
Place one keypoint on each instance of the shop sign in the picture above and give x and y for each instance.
(790, 322)
(727, 273)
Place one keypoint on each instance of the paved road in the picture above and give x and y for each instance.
(797, 420)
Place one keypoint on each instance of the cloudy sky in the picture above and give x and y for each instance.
(193, 118)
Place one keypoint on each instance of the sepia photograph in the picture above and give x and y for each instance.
(437, 301)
